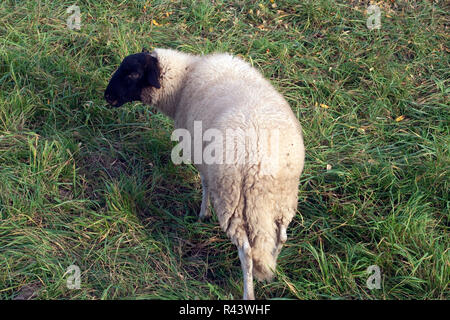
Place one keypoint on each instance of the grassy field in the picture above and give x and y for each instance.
(81, 184)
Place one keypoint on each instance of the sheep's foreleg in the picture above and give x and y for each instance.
(204, 210)
(247, 266)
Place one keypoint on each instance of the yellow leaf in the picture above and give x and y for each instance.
(291, 287)
(155, 23)
(399, 118)
(324, 106)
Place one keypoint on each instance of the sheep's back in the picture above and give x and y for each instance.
(226, 93)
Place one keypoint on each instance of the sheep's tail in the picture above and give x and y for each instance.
(264, 262)
(267, 220)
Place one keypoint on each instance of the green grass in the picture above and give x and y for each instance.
(82, 184)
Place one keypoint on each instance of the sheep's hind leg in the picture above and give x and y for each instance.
(245, 256)
(205, 212)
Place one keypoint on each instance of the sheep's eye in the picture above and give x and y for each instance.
(134, 76)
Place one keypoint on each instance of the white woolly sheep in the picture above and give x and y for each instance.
(254, 205)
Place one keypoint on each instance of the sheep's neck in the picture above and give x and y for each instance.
(174, 69)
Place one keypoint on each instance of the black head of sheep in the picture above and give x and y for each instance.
(136, 72)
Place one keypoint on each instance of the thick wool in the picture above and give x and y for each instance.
(224, 92)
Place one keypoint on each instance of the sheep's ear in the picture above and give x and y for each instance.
(152, 69)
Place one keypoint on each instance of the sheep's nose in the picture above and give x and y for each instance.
(110, 99)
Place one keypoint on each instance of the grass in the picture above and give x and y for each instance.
(86, 185)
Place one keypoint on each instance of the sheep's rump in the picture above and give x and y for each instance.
(255, 207)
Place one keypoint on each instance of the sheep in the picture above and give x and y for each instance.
(254, 206)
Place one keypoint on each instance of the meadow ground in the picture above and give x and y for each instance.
(81, 184)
